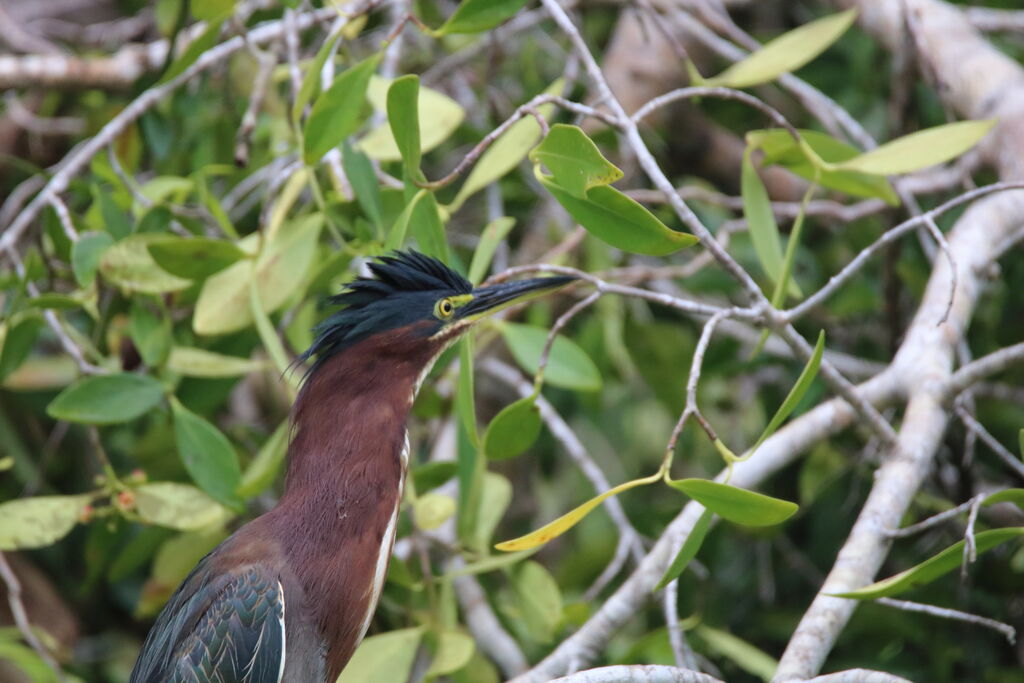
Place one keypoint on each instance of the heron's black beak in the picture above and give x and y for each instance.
(488, 300)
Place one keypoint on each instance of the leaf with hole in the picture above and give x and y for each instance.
(512, 430)
(178, 506)
(735, 504)
(932, 568)
(568, 366)
(28, 523)
(788, 52)
(570, 519)
(208, 456)
(338, 111)
(106, 399)
(574, 161)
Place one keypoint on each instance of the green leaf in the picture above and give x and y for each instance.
(476, 16)
(574, 161)
(403, 118)
(207, 454)
(506, 152)
(36, 522)
(311, 81)
(263, 468)
(438, 116)
(691, 546)
(491, 563)
(206, 40)
(223, 305)
(150, 332)
(428, 229)
(430, 475)
(212, 9)
(86, 254)
(749, 658)
(921, 149)
(491, 236)
(788, 52)
(386, 658)
(178, 506)
(1015, 496)
(396, 236)
(496, 492)
(620, 221)
(57, 302)
(194, 258)
(816, 158)
(735, 504)
(17, 338)
(338, 111)
(129, 266)
(513, 430)
(26, 660)
(268, 335)
(932, 568)
(364, 183)
(570, 519)
(454, 651)
(431, 510)
(568, 366)
(192, 362)
(106, 399)
(465, 402)
(539, 600)
(803, 383)
(764, 232)
(1020, 439)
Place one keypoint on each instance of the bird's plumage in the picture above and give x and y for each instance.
(289, 595)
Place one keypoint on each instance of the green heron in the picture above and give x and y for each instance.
(290, 595)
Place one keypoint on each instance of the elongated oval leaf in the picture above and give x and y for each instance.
(764, 231)
(921, 149)
(385, 657)
(431, 510)
(538, 600)
(195, 49)
(86, 254)
(264, 467)
(788, 52)
(507, 151)
(129, 266)
(224, 300)
(513, 430)
(735, 504)
(193, 258)
(574, 161)
(178, 506)
(569, 366)
(207, 454)
(311, 81)
(803, 383)
(496, 492)
(438, 116)
(748, 657)
(403, 119)
(17, 339)
(37, 522)
(338, 111)
(691, 546)
(570, 519)
(364, 183)
(106, 399)
(932, 568)
(1015, 496)
(620, 221)
(476, 16)
(490, 237)
(193, 362)
(454, 650)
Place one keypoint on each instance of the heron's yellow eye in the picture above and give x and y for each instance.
(444, 309)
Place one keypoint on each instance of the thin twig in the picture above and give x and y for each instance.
(932, 521)
(999, 449)
(681, 650)
(21, 616)
(944, 612)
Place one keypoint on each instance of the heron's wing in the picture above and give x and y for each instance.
(218, 629)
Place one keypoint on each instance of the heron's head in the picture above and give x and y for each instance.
(414, 305)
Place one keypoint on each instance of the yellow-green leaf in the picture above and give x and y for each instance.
(129, 266)
(490, 237)
(803, 383)
(748, 657)
(496, 492)
(574, 161)
(206, 40)
(764, 231)
(338, 111)
(539, 600)
(570, 519)
(512, 430)
(438, 116)
(404, 123)
(476, 16)
(454, 650)
(694, 540)
(932, 568)
(178, 506)
(36, 522)
(735, 504)
(506, 152)
(386, 658)
(921, 149)
(193, 362)
(264, 467)
(193, 258)
(788, 52)
(431, 510)
(568, 366)
(208, 456)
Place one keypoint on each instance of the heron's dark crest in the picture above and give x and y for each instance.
(404, 290)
